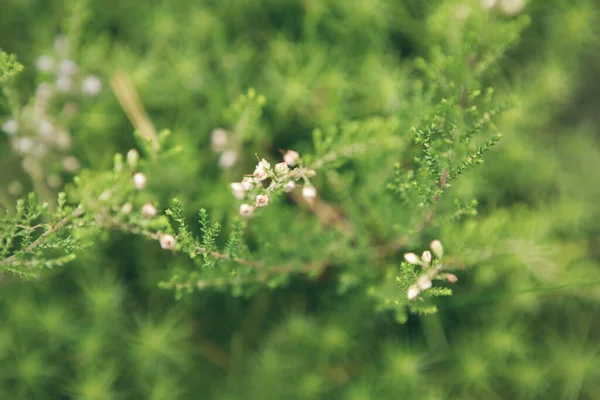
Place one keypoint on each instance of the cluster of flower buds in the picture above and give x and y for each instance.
(40, 135)
(431, 271)
(283, 176)
(508, 7)
(220, 142)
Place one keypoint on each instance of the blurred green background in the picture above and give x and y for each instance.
(524, 321)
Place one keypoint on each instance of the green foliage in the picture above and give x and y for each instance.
(380, 128)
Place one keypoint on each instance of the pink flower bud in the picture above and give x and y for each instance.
(291, 158)
(412, 258)
(246, 210)
(227, 159)
(167, 242)
(148, 210)
(139, 181)
(262, 200)
(426, 256)
(309, 193)
(288, 187)
(451, 278)
(238, 190)
(247, 183)
(437, 248)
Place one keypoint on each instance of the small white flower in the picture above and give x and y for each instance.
(132, 158)
(67, 67)
(219, 139)
(281, 168)
(412, 258)
(91, 86)
(291, 158)
(148, 210)
(246, 210)
(413, 292)
(262, 200)
(24, 145)
(64, 84)
(70, 163)
(127, 208)
(426, 257)
(288, 187)
(167, 242)
(227, 159)
(238, 190)
(10, 126)
(511, 7)
(261, 171)
(423, 283)
(139, 180)
(44, 91)
(437, 248)
(46, 128)
(45, 64)
(309, 193)
(247, 183)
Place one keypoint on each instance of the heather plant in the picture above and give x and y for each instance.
(334, 199)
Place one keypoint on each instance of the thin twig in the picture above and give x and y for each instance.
(75, 214)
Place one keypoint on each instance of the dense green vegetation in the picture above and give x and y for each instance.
(131, 267)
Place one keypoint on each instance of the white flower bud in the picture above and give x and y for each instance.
(44, 64)
(247, 183)
(64, 84)
(412, 258)
(24, 145)
(309, 193)
(91, 86)
(310, 173)
(10, 126)
(127, 208)
(70, 163)
(227, 159)
(423, 283)
(426, 256)
(167, 242)
(281, 168)
(139, 180)
(218, 140)
(288, 187)
(67, 67)
(44, 91)
(148, 210)
(246, 210)
(291, 158)
(46, 128)
(451, 278)
(437, 248)
(413, 292)
(133, 157)
(511, 7)
(262, 200)
(238, 190)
